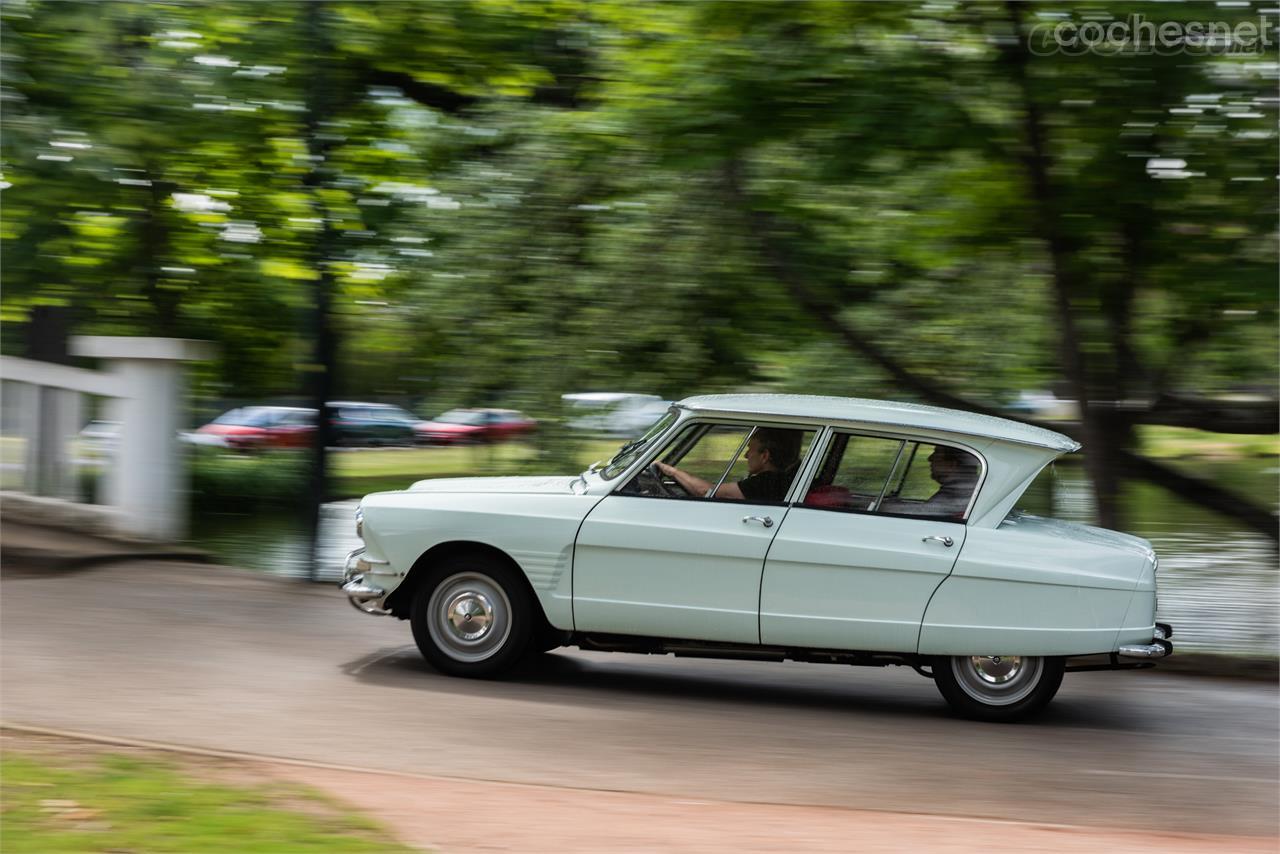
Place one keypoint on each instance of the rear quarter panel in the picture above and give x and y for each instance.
(1042, 588)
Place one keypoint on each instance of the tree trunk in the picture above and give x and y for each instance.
(324, 340)
(1098, 430)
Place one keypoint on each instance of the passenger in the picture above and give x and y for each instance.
(773, 456)
(956, 472)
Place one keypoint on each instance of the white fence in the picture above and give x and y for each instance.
(144, 382)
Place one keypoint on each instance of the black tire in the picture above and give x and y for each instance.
(999, 689)
(472, 616)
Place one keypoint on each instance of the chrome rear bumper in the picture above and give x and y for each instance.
(362, 595)
(1158, 648)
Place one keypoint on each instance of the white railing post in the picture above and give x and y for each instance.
(148, 483)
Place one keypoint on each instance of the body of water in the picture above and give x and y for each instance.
(1219, 584)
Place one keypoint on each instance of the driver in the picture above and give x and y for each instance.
(773, 455)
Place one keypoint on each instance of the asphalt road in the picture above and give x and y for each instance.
(213, 658)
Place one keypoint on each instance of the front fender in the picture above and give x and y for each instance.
(536, 531)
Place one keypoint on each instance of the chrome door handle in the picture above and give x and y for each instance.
(946, 541)
(763, 520)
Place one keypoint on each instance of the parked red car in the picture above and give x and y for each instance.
(475, 426)
(253, 428)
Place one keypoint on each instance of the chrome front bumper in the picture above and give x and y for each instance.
(363, 596)
(1158, 648)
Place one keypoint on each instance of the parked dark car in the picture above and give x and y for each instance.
(254, 428)
(358, 424)
(475, 426)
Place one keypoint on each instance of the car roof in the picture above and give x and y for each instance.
(606, 396)
(886, 412)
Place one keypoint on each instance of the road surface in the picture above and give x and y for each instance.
(220, 659)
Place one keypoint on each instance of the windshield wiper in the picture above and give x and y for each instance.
(628, 446)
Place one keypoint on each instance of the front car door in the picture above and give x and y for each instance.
(878, 529)
(653, 560)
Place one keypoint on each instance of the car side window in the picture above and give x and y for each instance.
(706, 451)
(755, 464)
(854, 473)
(873, 474)
(936, 481)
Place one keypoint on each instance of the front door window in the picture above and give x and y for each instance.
(725, 462)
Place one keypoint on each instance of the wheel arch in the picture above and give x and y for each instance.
(400, 601)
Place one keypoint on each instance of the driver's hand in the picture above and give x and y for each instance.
(670, 471)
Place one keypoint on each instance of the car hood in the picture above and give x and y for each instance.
(1080, 533)
(556, 484)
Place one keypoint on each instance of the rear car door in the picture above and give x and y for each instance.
(857, 558)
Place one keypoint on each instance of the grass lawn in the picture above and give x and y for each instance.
(360, 472)
(75, 802)
(1175, 442)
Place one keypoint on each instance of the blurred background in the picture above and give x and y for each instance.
(493, 237)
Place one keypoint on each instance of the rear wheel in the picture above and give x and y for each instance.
(472, 616)
(1000, 688)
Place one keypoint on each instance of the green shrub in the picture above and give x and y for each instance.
(227, 480)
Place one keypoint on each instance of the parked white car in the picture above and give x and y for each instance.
(609, 413)
(775, 527)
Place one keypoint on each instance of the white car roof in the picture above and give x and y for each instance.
(853, 409)
(607, 396)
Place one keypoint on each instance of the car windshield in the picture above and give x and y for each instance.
(460, 416)
(252, 416)
(391, 413)
(398, 414)
(634, 449)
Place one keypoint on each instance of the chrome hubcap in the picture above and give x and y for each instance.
(469, 617)
(997, 680)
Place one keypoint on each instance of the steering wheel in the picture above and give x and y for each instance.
(664, 488)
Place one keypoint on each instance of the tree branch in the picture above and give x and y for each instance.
(1216, 416)
(827, 314)
(765, 227)
(427, 94)
(1203, 493)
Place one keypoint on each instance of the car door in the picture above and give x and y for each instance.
(647, 562)
(855, 561)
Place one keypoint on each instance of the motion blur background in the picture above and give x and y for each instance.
(494, 203)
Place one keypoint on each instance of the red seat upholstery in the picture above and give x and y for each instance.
(827, 495)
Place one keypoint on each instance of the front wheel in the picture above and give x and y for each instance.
(472, 617)
(1001, 688)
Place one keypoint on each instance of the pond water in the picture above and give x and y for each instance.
(1219, 584)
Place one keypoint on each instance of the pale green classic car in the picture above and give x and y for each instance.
(775, 527)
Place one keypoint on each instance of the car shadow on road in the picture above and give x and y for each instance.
(555, 678)
(793, 688)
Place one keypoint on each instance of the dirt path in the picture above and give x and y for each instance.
(451, 816)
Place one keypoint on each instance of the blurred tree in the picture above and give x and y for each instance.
(1051, 163)
(530, 198)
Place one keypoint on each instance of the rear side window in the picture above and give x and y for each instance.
(874, 474)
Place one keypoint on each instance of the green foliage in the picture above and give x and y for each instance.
(120, 803)
(532, 198)
(241, 482)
